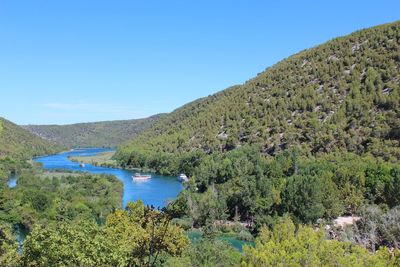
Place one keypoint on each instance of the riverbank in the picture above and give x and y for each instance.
(157, 191)
(103, 159)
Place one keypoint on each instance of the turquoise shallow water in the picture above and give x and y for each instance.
(156, 191)
(12, 181)
(196, 236)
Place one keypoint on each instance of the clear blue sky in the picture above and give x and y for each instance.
(71, 61)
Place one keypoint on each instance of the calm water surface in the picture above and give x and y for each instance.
(12, 181)
(156, 191)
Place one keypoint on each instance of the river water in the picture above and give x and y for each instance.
(156, 191)
(12, 181)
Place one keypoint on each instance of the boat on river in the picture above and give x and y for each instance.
(82, 165)
(183, 178)
(139, 176)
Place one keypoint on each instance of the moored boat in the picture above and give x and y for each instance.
(183, 178)
(82, 165)
(139, 176)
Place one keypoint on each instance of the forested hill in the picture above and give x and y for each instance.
(339, 96)
(94, 134)
(17, 142)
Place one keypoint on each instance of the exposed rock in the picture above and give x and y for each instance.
(223, 136)
(346, 220)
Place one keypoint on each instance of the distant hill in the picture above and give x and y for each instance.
(339, 96)
(94, 134)
(17, 142)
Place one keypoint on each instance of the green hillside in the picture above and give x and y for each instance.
(18, 143)
(95, 134)
(314, 137)
(340, 96)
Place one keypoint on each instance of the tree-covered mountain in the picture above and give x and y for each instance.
(314, 137)
(339, 96)
(17, 142)
(94, 134)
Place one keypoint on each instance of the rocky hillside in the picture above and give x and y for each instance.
(339, 96)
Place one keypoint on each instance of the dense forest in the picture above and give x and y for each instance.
(17, 142)
(45, 197)
(93, 134)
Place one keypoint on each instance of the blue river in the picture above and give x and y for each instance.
(157, 191)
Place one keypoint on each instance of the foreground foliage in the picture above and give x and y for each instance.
(137, 236)
(8, 246)
(286, 246)
(207, 253)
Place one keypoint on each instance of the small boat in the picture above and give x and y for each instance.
(183, 178)
(82, 165)
(139, 176)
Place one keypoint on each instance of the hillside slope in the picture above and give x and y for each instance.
(17, 142)
(95, 134)
(340, 96)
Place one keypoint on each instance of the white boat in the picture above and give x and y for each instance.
(139, 176)
(183, 178)
(82, 165)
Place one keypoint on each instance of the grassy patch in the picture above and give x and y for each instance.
(102, 159)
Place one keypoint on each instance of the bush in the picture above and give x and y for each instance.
(245, 236)
(224, 228)
(207, 253)
(186, 222)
